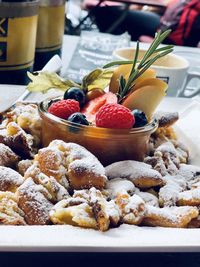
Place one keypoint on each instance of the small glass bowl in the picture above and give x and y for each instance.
(108, 145)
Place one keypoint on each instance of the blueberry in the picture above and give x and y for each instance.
(77, 94)
(140, 118)
(78, 118)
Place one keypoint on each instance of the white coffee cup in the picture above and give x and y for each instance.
(173, 69)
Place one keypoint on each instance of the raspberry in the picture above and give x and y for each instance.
(114, 116)
(64, 108)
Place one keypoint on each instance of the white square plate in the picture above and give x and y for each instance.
(126, 238)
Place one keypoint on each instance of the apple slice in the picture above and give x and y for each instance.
(146, 98)
(114, 81)
(149, 73)
(148, 81)
(125, 71)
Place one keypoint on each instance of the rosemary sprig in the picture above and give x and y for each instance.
(139, 67)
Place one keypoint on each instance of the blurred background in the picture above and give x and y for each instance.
(141, 19)
(88, 14)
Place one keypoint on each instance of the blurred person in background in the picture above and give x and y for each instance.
(182, 16)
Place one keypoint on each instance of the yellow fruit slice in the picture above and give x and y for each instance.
(150, 73)
(125, 71)
(149, 81)
(146, 98)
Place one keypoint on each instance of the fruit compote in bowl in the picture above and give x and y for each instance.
(108, 145)
(111, 112)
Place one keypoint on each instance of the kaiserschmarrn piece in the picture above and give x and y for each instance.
(23, 165)
(56, 191)
(10, 213)
(87, 208)
(166, 119)
(17, 139)
(167, 158)
(132, 208)
(139, 173)
(82, 168)
(10, 180)
(7, 157)
(165, 131)
(34, 203)
(119, 185)
(73, 211)
(176, 217)
(168, 194)
(148, 198)
(28, 118)
(189, 172)
(107, 213)
(189, 197)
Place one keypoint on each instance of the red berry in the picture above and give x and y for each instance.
(114, 116)
(64, 108)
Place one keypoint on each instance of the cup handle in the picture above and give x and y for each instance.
(190, 76)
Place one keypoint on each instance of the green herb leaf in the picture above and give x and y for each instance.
(122, 84)
(115, 63)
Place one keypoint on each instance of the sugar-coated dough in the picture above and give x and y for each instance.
(10, 180)
(141, 174)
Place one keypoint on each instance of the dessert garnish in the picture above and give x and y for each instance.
(114, 116)
(131, 85)
(76, 94)
(44, 81)
(140, 118)
(64, 108)
(139, 67)
(79, 118)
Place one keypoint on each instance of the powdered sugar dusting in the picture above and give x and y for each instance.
(173, 214)
(118, 185)
(77, 158)
(189, 172)
(7, 156)
(166, 118)
(131, 169)
(168, 194)
(33, 202)
(167, 147)
(148, 198)
(88, 165)
(9, 179)
(190, 195)
(112, 210)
